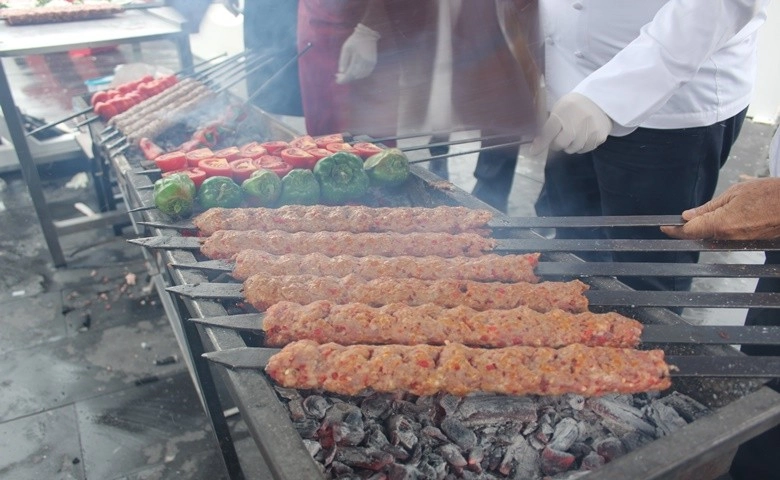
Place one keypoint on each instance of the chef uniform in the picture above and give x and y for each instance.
(675, 78)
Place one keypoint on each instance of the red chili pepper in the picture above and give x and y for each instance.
(208, 135)
(150, 149)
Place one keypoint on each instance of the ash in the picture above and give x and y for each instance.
(385, 436)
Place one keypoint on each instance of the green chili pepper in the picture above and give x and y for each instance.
(387, 168)
(262, 188)
(174, 195)
(220, 192)
(341, 177)
(299, 187)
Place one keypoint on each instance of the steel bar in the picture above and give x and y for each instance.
(632, 245)
(141, 209)
(401, 137)
(454, 154)
(634, 298)
(638, 269)
(694, 334)
(211, 291)
(588, 222)
(87, 121)
(217, 266)
(169, 226)
(507, 136)
(273, 77)
(251, 69)
(683, 365)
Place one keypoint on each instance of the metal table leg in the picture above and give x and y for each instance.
(29, 169)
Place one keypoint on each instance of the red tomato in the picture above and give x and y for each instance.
(274, 147)
(252, 150)
(340, 147)
(274, 164)
(196, 174)
(195, 156)
(171, 161)
(319, 152)
(303, 142)
(298, 158)
(216, 167)
(98, 97)
(326, 139)
(366, 149)
(230, 153)
(242, 168)
(106, 110)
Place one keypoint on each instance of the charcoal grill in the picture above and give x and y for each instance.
(743, 407)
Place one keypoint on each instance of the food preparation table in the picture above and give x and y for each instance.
(131, 26)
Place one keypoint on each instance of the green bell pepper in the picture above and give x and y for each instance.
(341, 177)
(174, 195)
(299, 187)
(220, 191)
(387, 168)
(262, 188)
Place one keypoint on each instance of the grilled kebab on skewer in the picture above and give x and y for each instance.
(398, 323)
(228, 243)
(356, 219)
(486, 268)
(262, 292)
(460, 370)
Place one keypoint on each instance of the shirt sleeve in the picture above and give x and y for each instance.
(667, 53)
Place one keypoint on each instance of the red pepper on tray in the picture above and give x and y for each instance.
(150, 149)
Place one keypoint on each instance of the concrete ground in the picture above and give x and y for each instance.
(93, 385)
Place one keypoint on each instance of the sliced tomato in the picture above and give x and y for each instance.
(340, 147)
(194, 157)
(252, 150)
(215, 167)
(366, 149)
(274, 164)
(229, 153)
(304, 142)
(319, 152)
(326, 139)
(298, 158)
(242, 168)
(274, 147)
(171, 161)
(196, 174)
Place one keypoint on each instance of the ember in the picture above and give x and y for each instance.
(478, 436)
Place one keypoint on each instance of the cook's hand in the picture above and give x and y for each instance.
(745, 211)
(232, 6)
(575, 125)
(358, 55)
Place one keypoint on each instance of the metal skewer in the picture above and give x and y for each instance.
(453, 154)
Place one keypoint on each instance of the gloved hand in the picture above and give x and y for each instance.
(358, 55)
(232, 6)
(575, 125)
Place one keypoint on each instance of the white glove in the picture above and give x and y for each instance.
(358, 55)
(575, 125)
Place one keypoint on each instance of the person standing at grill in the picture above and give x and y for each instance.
(747, 211)
(459, 73)
(647, 99)
(335, 101)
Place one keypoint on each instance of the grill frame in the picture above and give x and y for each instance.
(742, 409)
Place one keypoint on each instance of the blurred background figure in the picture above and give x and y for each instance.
(347, 99)
(459, 71)
(270, 29)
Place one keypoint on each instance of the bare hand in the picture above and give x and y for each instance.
(745, 211)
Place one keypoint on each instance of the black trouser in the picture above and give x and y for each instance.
(648, 172)
(495, 172)
(758, 457)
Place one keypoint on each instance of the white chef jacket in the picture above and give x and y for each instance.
(653, 63)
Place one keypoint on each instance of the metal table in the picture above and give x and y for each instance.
(131, 26)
